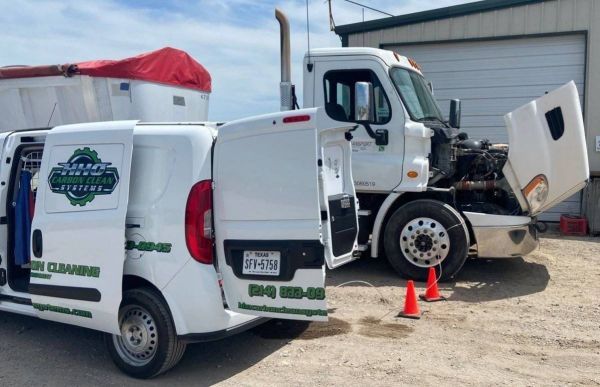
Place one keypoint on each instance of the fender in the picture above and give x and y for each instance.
(378, 224)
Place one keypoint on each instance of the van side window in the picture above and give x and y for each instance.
(339, 95)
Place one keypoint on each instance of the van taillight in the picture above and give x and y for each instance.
(198, 222)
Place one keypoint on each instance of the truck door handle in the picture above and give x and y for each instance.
(381, 137)
(37, 243)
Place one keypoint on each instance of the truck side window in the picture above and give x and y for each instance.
(339, 95)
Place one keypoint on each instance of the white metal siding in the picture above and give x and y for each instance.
(56, 100)
(493, 77)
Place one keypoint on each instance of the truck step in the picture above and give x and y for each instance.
(364, 212)
(362, 248)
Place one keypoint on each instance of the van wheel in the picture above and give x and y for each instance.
(148, 344)
(426, 233)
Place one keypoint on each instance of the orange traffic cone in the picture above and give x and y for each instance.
(431, 293)
(411, 306)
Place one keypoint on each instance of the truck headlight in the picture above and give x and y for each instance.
(536, 192)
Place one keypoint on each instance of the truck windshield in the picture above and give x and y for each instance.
(416, 95)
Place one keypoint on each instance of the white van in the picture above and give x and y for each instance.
(165, 234)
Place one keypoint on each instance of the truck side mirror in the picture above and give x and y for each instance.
(363, 102)
(364, 111)
(454, 118)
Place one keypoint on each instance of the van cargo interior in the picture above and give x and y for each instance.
(20, 203)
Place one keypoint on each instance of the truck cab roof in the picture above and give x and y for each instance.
(390, 58)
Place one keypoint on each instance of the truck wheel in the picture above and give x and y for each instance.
(148, 344)
(426, 233)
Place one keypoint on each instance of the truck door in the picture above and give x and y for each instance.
(284, 204)
(78, 237)
(375, 167)
(547, 155)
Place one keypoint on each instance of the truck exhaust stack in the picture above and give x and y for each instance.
(285, 85)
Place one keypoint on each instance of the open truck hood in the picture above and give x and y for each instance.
(547, 156)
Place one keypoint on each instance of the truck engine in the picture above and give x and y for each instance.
(471, 170)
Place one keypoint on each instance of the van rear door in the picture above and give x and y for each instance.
(547, 155)
(284, 204)
(78, 238)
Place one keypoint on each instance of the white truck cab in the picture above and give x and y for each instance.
(164, 234)
(429, 195)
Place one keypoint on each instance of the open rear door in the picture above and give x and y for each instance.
(547, 155)
(78, 237)
(339, 208)
(278, 183)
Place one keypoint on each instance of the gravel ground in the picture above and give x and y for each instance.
(521, 321)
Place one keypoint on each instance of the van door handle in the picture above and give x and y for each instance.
(37, 243)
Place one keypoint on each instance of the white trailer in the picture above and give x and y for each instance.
(166, 85)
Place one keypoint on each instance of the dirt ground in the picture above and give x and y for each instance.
(521, 321)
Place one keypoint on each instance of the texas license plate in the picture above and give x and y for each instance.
(261, 262)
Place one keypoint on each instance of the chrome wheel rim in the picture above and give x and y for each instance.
(138, 342)
(424, 242)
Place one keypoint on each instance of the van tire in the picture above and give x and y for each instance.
(439, 219)
(168, 350)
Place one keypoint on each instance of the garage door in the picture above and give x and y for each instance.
(494, 77)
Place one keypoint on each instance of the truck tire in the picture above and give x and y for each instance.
(425, 233)
(148, 344)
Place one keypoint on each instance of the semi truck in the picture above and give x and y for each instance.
(429, 195)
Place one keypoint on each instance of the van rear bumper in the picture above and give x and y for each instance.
(221, 334)
(502, 236)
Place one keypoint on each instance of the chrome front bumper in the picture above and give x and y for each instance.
(501, 236)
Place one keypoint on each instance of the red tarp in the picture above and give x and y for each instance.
(167, 65)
